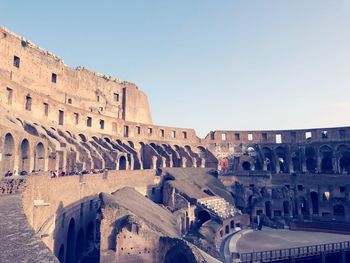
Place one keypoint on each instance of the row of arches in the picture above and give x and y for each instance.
(288, 159)
(22, 159)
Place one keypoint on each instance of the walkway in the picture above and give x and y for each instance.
(18, 242)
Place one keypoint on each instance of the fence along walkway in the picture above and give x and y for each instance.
(297, 252)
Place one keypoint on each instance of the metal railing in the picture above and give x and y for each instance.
(297, 252)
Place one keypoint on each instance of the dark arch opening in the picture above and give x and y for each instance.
(203, 216)
(70, 257)
(311, 165)
(39, 157)
(326, 165)
(61, 254)
(303, 206)
(344, 163)
(122, 163)
(24, 157)
(246, 166)
(82, 137)
(268, 209)
(286, 208)
(314, 202)
(8, 158)
(80, 245)
(176, 255)
(338, 210)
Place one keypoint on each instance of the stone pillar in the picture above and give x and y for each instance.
(183, 162)
(335, 165)
(303, 160)
(154, 162)
(203, 163)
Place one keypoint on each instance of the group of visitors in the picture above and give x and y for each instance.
(63, 173)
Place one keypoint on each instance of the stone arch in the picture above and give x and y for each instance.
(203, 216)
(282, 162)
(268, 209)
(80, 244)
(61, 254)
(344, 160)
(295, 157)
(314, 202)
(8, 154)
(303, 206)
(246, 166)
(122, 163)
(326, 154)
(30, 129)
(39, 157)
(131, 144)
(310, 159)
(338, 210)
(82, 137)
(269, 159)
(24, 159)
(70, 255)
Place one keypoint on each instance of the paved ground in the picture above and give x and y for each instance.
(270, 239)
(18, 242)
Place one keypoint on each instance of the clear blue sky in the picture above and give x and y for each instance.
(247, 64)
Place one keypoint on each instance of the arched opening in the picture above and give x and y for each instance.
(24, 157)
(344, 163)
(176, 255)
(326, 165)
(282, 159)
(203, 216)
(303, 206)
(314, 202)
(286, 208)
(311, 165)
(82, 137)
(227, 229)
(8, 155)
(70, 257)
(268, 209)
(79, 247)
(61, 254)
(310, 155)
(122, 163)
(39, 157)
(269, 159)
(338, 210)
(90, 236)
(246, 166)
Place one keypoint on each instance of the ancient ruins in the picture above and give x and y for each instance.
(89, 178)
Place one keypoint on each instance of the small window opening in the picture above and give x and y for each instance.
(342, 189)
(126, 131)
(149, 131)
(161, 133)
(342, 134)
(250, 136)
(116, 97)
(308, 135)
(138, 130)
(28, 103)
(324, 134)
(237, 137)
(46, 109)
(300, 187)
(293, 136)
(223, 136)
(102, 124)
(60, 117)
(278, 138)
(264, 137)
(184, 135)
(54, 78)
(173, 134)
(89, 122)
(76, 118)
(9, 95)
(16, 61)
(69, 101)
